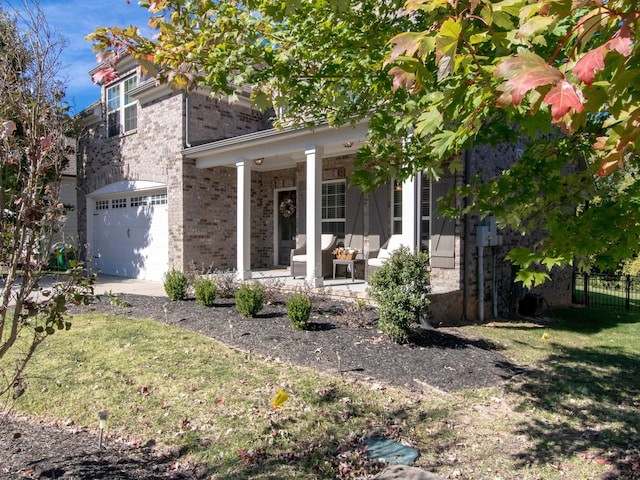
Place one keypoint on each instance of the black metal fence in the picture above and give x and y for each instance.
(616, 291)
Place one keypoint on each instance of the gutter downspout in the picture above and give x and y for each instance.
(480, 283)
(186, 120)
(495, 284)
(467, 243)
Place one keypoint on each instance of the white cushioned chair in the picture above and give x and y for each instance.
(377, 259)
(299, 256)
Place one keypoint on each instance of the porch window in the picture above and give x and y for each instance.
(396, 205)
(334, 208)
(425, 210)
(122, 114)
(425, 213)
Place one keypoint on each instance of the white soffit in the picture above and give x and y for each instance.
(276, 143)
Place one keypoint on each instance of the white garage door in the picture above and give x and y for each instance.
(130, 234)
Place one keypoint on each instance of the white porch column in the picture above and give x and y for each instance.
(314, 215)
(410, 207)
(243, 259)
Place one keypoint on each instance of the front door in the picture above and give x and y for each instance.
(286, 207)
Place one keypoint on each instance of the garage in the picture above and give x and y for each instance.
(128, 230)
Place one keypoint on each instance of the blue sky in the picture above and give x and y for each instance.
(75, 19)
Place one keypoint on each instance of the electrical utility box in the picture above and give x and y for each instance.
(487, 233)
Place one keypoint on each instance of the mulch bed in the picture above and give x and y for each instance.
(440, 360)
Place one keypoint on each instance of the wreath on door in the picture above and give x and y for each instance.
(287, 208)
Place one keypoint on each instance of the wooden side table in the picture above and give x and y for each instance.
(348, 264)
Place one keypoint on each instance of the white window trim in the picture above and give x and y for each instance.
(395, 219)
(426, 217)
(337, 219)
(396, 185)
(121, 107)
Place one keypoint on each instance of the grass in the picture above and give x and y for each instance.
(572, 415)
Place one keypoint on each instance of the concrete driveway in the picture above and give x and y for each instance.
(120, 285)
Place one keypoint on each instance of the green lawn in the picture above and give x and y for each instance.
(572, 413)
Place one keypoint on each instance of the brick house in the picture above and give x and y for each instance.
(174, 180)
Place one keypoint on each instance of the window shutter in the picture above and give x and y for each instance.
(378, 217)
(442, 228)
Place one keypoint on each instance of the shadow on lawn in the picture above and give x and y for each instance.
(590, 402)
(327, 452)
(576, 319)
(328, 443)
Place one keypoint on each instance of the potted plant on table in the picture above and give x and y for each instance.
(344, 253)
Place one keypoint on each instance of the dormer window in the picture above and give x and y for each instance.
(122, 114)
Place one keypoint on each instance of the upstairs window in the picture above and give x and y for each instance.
(122, 109)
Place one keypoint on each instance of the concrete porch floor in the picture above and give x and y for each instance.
(341, 287)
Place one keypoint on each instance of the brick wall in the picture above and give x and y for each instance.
(213, 118)
(201, 202)
(499, 272)
(151, 153)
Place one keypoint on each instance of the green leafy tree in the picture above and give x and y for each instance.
(33, 150)
(434, 78)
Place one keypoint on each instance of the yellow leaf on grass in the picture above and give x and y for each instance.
(281, 397)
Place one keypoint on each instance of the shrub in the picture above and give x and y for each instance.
(205, 290)
(227, 283)
(249, 299)
(400, 288)
(299, 310)
(272, 290)
(175, 284)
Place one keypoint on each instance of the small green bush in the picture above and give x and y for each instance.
(175, 284)
(400, 288)
(299, 310)
(249, 299)
(205, 290)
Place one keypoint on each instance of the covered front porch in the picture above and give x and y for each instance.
(309, 168)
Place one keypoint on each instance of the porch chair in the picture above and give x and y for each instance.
(298, 263)
(377, 258)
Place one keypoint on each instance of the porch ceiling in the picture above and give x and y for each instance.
(278, 148)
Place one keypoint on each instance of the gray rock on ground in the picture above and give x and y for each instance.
(404, 472)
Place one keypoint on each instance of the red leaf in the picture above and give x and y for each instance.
(526, 71)
(610, 163)
(622, 42)
(563, 97)
(401, 78)
(601, 143)
(592, 61)
(105, 75)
